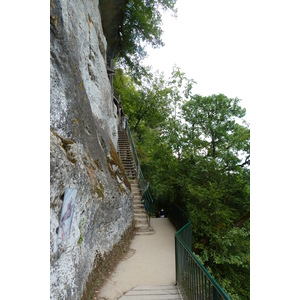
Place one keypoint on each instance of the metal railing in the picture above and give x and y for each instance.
(144, 186)
(193, 280)
(177, 216)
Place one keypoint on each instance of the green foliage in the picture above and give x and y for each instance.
(142, 25)
(213, 130)
(195, 152)
(216, 151)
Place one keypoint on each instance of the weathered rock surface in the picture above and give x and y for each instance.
(83, 140)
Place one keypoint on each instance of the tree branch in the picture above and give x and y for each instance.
(242, 219)
(246, 162)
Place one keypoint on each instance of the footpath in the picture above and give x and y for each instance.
(148, 270)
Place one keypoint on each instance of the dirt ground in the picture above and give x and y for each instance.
(150, 261)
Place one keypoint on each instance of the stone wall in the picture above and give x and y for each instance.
(83, 141)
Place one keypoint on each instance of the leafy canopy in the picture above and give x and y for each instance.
(213, 129)
(141, 26)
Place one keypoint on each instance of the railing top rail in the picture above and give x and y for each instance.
(182, 229)
(133, 145)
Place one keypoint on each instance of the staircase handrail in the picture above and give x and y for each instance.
(193, 280)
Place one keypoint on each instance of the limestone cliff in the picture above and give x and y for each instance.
(83, 140)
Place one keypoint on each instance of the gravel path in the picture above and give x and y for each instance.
(150, 261)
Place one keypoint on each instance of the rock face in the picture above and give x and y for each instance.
(83, 140)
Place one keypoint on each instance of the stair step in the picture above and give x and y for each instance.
(138, 203)
(140, 208)
(141, 222)
(141, 227)
(139, 211)
(136, 192)
(137, 199)
(141, 214)
(144, 232)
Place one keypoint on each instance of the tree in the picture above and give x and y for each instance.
(216, 152)
(147, 101)
(141, 26)
(213, 129)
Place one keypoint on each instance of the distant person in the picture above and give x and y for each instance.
(162, 213)
(124, 119)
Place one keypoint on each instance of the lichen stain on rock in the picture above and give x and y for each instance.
(98, 164)
(76, 70)
(66, 145)
(54, 20)
(97, 186)
(100, 190)
(114, 159)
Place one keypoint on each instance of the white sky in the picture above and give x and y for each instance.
(251, 50)
(232, 47)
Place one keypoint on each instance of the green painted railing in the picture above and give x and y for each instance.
(144, 186)
(193, 280)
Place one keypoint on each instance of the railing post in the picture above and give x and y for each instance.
(176, 260)
(215, 293)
